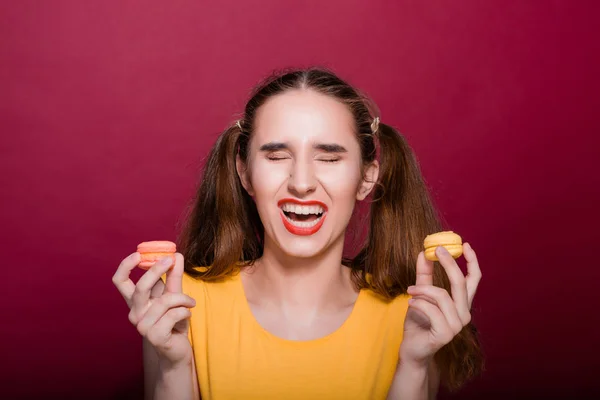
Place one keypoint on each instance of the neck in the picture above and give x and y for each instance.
(319, 283)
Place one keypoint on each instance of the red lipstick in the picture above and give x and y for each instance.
(297, 230)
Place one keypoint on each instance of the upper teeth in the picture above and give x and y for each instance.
(298, 209)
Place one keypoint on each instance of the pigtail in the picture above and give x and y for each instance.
(402, 214)
(215, 237)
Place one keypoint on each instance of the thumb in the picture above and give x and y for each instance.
(174, 282)
(424, 270)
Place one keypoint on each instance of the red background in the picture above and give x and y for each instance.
(107, 109)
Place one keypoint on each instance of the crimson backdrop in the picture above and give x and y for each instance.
(108, 107)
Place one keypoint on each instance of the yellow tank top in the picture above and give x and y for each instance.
(238, 359)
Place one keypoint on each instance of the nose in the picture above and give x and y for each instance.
(302, 179)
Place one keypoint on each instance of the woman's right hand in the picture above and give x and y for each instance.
(159, 311)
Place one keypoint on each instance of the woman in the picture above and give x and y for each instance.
(260, 302)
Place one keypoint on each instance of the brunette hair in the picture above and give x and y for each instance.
(223, 228)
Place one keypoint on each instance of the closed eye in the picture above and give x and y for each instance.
(276, 156)
(329, 160)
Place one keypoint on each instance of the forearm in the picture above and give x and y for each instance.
(174, 383)
(414, 382)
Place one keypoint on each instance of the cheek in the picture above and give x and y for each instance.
(342, 182)
(265, 179)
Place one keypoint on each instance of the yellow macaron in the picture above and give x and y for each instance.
(448, 239)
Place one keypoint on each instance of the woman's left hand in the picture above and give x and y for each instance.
(434, 317)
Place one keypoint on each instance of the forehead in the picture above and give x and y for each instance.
(303, 115)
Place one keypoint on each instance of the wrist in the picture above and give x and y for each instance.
(166, 366)
(414, 364)
(411, 380)
(173, 381)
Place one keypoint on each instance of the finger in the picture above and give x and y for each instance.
(157, 290)
(457, 281)
(441, 298)
(161, 306)
(121, 279)
(424, 270)
(160, 332)
(174, 282)
(424, 297)
(439, 326)
(473, 272)
(141, 294)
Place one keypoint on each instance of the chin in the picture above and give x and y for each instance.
(307, 246)
(302, 248)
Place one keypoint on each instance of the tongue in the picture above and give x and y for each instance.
(302, 217)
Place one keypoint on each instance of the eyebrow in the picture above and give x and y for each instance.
(326, 147)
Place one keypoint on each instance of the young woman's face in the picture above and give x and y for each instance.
(305, 171)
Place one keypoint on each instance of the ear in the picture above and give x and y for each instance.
(242, 172)
(367, 184)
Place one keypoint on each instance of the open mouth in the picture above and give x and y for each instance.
(303, 218)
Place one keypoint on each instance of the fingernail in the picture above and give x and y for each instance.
(410, 301)
(440, 250)
(410, 288)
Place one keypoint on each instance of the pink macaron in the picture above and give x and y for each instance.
(155, 250)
